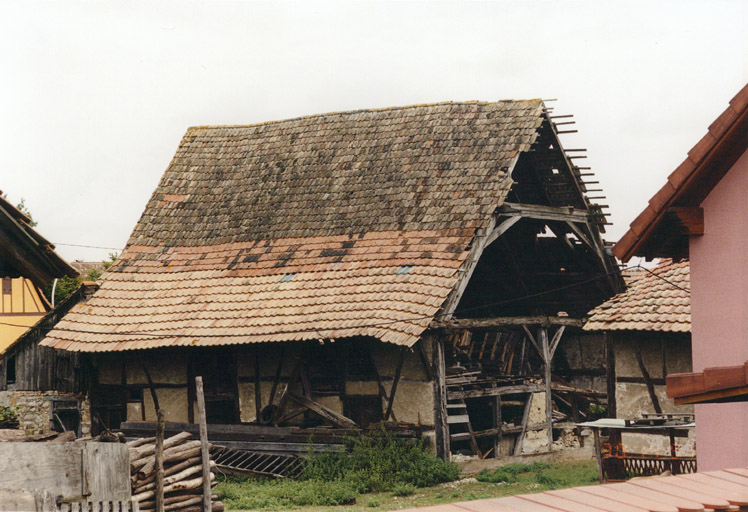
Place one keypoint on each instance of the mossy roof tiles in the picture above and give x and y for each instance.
(305, 228)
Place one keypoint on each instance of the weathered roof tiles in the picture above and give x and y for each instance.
(657, 301)
(329, 226)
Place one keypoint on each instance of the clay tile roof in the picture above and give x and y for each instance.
(329, 226)
(707, 163)
(651, 302)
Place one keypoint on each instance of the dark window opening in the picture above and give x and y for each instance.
(10, 372)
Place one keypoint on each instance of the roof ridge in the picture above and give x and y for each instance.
(357, 111)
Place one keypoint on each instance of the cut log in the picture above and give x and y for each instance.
(195, 483)
(328, 414)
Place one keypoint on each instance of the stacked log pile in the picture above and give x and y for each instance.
(183, 479)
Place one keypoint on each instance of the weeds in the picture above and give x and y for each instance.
(380, 462)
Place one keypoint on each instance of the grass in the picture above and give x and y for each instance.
(275, 495)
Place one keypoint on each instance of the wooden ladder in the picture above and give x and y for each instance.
(459, 425)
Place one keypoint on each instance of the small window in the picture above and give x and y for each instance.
(10, 370)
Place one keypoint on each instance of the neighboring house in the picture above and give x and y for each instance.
(29, 375)
(700, 214)
(648, 331)
(414, 265)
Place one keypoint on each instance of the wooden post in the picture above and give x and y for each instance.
(543, 335)
(160, 427)
(441, 429)
(598, 455)
(258, 383)
(610, 364)
(497, 422)
(207, 505)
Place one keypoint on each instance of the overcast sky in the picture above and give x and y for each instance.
(95, 96)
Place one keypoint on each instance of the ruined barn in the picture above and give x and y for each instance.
(415, 267)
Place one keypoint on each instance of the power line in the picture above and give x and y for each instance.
(89, 246)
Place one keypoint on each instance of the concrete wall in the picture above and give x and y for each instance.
(719, 301)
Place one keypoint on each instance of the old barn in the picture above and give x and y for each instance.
(417, 266)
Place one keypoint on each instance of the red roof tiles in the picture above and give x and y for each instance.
(330, 226)
(700, 492)
(707, 163)
(655, 301)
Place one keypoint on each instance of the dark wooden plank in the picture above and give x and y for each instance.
(440, 399)
(327, 413)
(647, 378)
(395, 381)
(498, 322)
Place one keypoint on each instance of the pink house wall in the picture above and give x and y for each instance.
(719, 314)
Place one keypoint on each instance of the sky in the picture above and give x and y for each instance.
(95, 96)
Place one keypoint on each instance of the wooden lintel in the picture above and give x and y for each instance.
(549, 213)
(689, 220)
(497, 391)
(498, 322)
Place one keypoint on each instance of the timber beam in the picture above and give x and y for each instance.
(548, 213)
(483, 323)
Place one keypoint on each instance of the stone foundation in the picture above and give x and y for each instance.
(34, 410)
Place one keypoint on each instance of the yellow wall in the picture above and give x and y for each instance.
(21, 307)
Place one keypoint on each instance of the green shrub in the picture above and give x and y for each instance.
(378, 462)
(8, 418)
(373, 504)
(403, 490)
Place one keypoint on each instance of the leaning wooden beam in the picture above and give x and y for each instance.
(550, 213)
(278, 370)
(328, 414)
(557, 339)
(525, 417)
(501, 229)
(482, 323)
(284, 394)
(647, 379)
(532, 339)
(391, 401)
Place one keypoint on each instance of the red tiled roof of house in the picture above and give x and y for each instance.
(706, 164)
(656, 301)
(322, 227)
(696, 492)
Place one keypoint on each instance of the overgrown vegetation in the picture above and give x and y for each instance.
(550, 477)
(67, 285)
(380, 462)
(8, 417)
(266, 495)
(370, 463)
